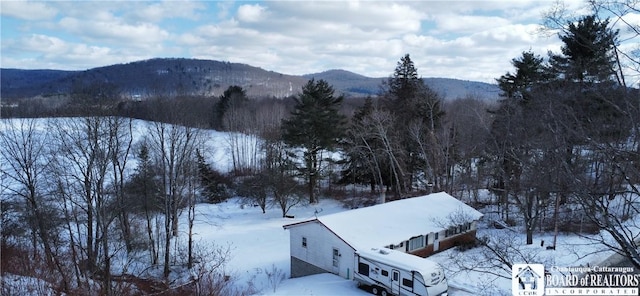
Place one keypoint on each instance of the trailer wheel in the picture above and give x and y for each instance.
(375, 290)
(384, 293)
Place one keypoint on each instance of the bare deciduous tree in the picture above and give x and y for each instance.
(90, 168)
(25, 150)
(174, 149)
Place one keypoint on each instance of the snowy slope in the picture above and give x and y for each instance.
(259, 243)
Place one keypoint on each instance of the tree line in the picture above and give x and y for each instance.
(563, 148)
(562, 151)
(87, 195)
(561, 145)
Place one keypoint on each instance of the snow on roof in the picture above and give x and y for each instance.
(397, 221)
(402, 260)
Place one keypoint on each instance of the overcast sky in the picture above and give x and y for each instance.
(471, 40)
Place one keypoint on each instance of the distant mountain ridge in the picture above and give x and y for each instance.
(175, 76)
(356, 84)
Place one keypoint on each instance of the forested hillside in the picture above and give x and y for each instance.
(172, 77)
(91, 195)
(156, 77)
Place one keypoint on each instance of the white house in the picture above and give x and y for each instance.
(419, 225)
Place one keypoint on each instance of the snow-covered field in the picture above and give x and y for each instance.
(259, 243)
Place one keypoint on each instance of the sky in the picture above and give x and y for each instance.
(469, 40)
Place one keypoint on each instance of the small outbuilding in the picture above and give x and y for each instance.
(419, 225)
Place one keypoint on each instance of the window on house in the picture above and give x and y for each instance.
(304, 242)
(416, 243)
(436, 236)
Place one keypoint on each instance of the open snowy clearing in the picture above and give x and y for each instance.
(259, 243)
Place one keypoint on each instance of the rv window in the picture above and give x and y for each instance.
(304, 242)
(407, 283)
(363, 269)
(395, 276)
(384, 273)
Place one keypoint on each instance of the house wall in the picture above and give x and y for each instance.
(444, 243)
(302, 268)
(317, 256)
(447, 243)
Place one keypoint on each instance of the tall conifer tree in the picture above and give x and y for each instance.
(315, 124)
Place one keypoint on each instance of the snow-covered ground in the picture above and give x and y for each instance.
(259, 243)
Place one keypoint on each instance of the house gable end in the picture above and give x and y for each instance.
(302, 223)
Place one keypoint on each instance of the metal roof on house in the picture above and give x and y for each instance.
(396, 221)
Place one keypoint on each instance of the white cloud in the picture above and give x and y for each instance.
(31, 11)
(55, 52)
(251, 13)
(629, 26)
(473, 40)
(106, 28)
(465, 24)
(42, 44)
(309, 36)
(156, 12)
(385, 18)
(190, 39)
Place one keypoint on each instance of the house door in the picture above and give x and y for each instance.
(436, 242)
(336, 261)
(395, 282)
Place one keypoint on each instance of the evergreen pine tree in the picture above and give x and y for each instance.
(417, 117)
(315, 124)
(233, 97)
(215, 186)
(530, 70)
(588, 51)
(360, 146)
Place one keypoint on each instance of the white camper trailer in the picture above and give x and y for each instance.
(389, 272)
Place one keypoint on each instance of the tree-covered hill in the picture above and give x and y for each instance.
(179, 76)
